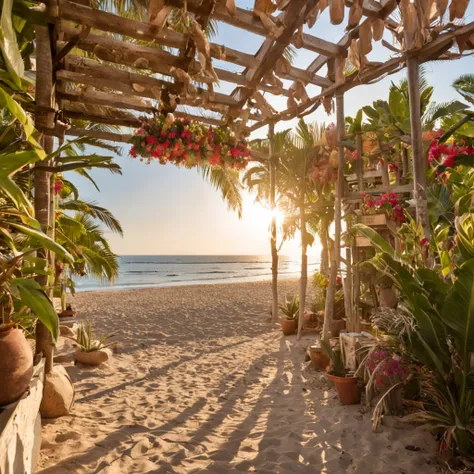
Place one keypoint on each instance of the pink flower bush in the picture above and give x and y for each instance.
(387, 366)
(387, 202)
(184, 142)
(445, 153)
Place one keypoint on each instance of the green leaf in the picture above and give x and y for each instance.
(17, 111)
(9, 45)
(44, 240)
(377, 240)
(32, 296)
(458, 310)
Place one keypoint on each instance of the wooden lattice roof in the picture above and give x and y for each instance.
(128, 67)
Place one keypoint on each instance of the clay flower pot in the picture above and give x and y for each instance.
(319, 359)
(347, 388)
(67, 313)
(93, 357)
(16, 364)
(288, 326)
(388, 297)
(337, 326)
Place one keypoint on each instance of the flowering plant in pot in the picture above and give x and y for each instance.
(387, 203)
(289, 321)
(347, 387)
(184, 142)
(319, 358)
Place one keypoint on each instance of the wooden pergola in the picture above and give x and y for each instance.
(100, 67)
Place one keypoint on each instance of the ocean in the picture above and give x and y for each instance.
(148, 271)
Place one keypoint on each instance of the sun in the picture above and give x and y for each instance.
(258, 216)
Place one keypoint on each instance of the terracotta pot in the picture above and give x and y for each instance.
(288, 326)
(347, 388)
(337, 326)
(16, 365)
(68, 313)
(388, 297)
(319, 359)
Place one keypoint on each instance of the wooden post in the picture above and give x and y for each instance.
(336, 256)
(356, 289)
(348, 292)
(419, 177)
(360, 163)
(304, 256)
(44, 118)
(273, 236)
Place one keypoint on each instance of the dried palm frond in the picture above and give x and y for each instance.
(365, 37)
(158, 12)
(283, 66)
(312, 16)
(354, 55)
(299, 91)
(378, 27)
(336, 11)
(265, 108)
(291, 104)
(298, 38)
(230, 7)
(457, 9)
(355, 14)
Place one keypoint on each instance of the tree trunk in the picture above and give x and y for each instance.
(419, 177)
(336, 255)
(44, 117)
(324, 268)
(304, 256)
(273, 237)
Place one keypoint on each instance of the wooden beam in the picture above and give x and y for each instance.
(92, 68)
(245, 19)
(109, 22)
(109, 136)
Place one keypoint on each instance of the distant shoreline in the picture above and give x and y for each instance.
(183, 283)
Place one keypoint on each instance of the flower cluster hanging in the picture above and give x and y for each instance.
(445, 153)
(388, 202)
(185, 142)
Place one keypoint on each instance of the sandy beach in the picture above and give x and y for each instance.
(202, 381)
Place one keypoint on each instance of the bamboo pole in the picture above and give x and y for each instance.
(348, 291)
(304, 256)
(273, 232)
(419, 177)
(44, 118)
(359, 164)
(336, 255)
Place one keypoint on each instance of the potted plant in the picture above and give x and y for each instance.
(289, 321)
(319, 358)
(387, 293)
(22, 302)
(90, 351)
(347, 387)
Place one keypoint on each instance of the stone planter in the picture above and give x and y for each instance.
(93, 357)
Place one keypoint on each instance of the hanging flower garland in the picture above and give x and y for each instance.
(185, 142)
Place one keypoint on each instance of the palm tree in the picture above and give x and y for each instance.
(258, 179)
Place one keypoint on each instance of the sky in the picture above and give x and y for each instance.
(165, 210)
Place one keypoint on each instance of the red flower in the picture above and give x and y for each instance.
(338, 280)
(58, 186)
(424, 241)
(234, 151)
(133, 152)
(393, 167)
(151, 140)
(355, 155)
(449, 161)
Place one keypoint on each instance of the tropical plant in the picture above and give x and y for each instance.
(441, 339)
(86, 339)
(291, 307)
(335, 356)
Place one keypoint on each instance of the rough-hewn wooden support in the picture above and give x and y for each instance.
(336, 255)
(44, 118)
(109, 136)
(419, 159)
(304, 247)
(273, 230)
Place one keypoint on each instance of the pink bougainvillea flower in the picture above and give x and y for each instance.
(58, 186)
(151, 140)
(393, 167)
(355, 155)
(449, 161)
(424, 241)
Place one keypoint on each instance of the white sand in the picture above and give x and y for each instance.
(204, 383)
